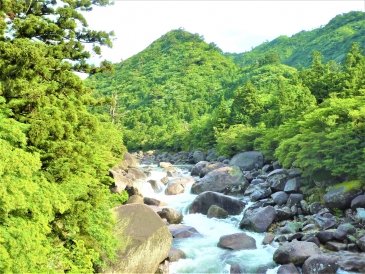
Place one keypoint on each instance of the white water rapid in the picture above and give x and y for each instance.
(203, 255)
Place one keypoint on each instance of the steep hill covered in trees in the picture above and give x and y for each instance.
(161, 90)
(333, 41)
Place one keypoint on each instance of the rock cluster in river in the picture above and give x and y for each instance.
(310, 237)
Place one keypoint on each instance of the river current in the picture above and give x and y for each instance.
(202, 253)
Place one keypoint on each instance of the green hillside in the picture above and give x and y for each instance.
(161, 90)
(333, 41)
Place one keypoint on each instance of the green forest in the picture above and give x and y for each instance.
(300, 100)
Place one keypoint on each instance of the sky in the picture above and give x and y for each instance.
(235, 26)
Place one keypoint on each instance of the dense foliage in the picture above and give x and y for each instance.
(55, 154)
(333, 41)
(181, 93)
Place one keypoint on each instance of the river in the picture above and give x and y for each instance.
(203, 255)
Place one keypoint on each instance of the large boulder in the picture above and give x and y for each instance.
(196, 170)
(248, 160)
(350, 261)
(292, 185)
(277, 179)
(205, 200)
(341, 195)
(237, 241)
(174, 189)
(215, 211)
(295, 252)
(224, 180)
(320, 264)
(357, 202)
(145, 239)
(280, 197)
(210, 167)
(176, 254)
(258, 219)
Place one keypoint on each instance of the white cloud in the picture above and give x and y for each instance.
(235, 26)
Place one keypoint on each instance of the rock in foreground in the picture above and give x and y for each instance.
(146, 237)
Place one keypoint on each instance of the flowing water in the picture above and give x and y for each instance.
(203, 255)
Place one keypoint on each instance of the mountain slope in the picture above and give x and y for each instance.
(333, 41)
(174, 81)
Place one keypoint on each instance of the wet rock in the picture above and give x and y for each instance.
(280, 197)
(171, 215)
(287, 269)
(292, 185)
(224, 180)
(165, 165)
(236, 269)
(237, 241)
(248, 160)
(135, 173)
(174, 189)
(258, 220)
(358, 201)
(176, 254)
(295, 252)
(215, 211)
(268, 239)
(183, 231)
(155, 185)
(320, 264)
(205, 200)
(198, 168)
(165, 180)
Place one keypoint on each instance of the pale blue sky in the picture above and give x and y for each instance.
(235, 26)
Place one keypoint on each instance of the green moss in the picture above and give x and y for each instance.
(349, 185)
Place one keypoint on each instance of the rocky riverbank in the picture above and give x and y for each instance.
(310, 238)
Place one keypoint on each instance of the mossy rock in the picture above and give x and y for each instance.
(340, 195)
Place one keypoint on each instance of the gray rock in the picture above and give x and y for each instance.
(325, 222)
(325, 236)
(336, 246)
(257, 181)
(294, 172)
(258, 220)
(171, 215)
(248, 160)
(205, 200)
(267, 168)
(343, 230)
(313, 239)
(236, 269)
(276, 165)
(237, 241)
(196, 170)
(292, 185)
(283, 214)
(295, 252)
(358, 201)
(212, 155)
(340, 197)
(183, 231)
(315, 207)
(277, 179)
(198, 156)
(287, 269)
(280, 197)
(152, 201)
(210, 167)
(320, 264)
(294, 199)
(224, 180)
(354, 262)
(215, 211)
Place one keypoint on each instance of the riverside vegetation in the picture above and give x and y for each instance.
(59, 137)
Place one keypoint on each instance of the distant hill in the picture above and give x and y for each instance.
(332, 40)
(175, 80)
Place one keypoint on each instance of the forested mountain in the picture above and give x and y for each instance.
(173, 82)
(333, 41)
